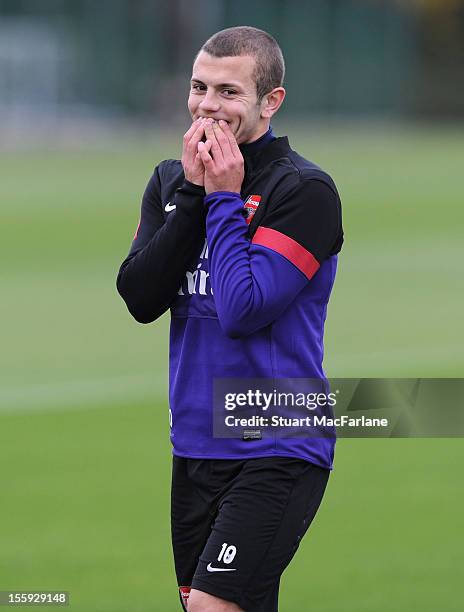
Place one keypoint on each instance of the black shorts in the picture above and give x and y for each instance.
(236, 524)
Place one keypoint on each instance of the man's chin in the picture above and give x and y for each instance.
(235, 129)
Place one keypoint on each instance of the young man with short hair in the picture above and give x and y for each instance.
(239, 239)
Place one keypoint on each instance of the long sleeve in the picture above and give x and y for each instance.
(162, 250)
(254, 282)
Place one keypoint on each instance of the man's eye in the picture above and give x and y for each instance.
(197, 87)
(229, 92)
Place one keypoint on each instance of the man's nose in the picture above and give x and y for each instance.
(209, 102)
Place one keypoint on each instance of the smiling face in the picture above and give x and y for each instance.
(224, 88)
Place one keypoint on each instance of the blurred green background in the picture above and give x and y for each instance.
(84, 440)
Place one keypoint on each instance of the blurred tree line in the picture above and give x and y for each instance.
(440, 82)
(349, 57)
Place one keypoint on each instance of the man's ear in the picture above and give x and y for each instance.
(271, 102)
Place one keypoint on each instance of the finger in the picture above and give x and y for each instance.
(189, 133)
(194, 139)
(210, 135)
(198, 133)
(223, 141)
(207, 145)
(232, 141)
(204, 154)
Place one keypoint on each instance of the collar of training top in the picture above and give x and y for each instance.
(275, 149)
(250, 148)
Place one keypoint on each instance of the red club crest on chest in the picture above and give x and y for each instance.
(250, 207)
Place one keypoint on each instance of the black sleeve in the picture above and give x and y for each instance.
(162, 250)
(310, 215)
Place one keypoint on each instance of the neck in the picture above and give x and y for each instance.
(249, 148)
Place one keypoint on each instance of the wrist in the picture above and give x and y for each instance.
(214, 189)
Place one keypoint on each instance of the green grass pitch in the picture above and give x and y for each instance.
(84, 449)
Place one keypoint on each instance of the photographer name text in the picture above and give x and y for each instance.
(308, 421)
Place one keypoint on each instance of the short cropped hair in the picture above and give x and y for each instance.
(269, 69)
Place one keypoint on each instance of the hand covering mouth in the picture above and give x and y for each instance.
(217, 120)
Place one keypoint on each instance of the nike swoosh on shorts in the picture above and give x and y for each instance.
(210, 568)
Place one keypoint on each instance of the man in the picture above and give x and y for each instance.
(239, 239)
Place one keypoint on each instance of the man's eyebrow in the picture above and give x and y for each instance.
(234, 85)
